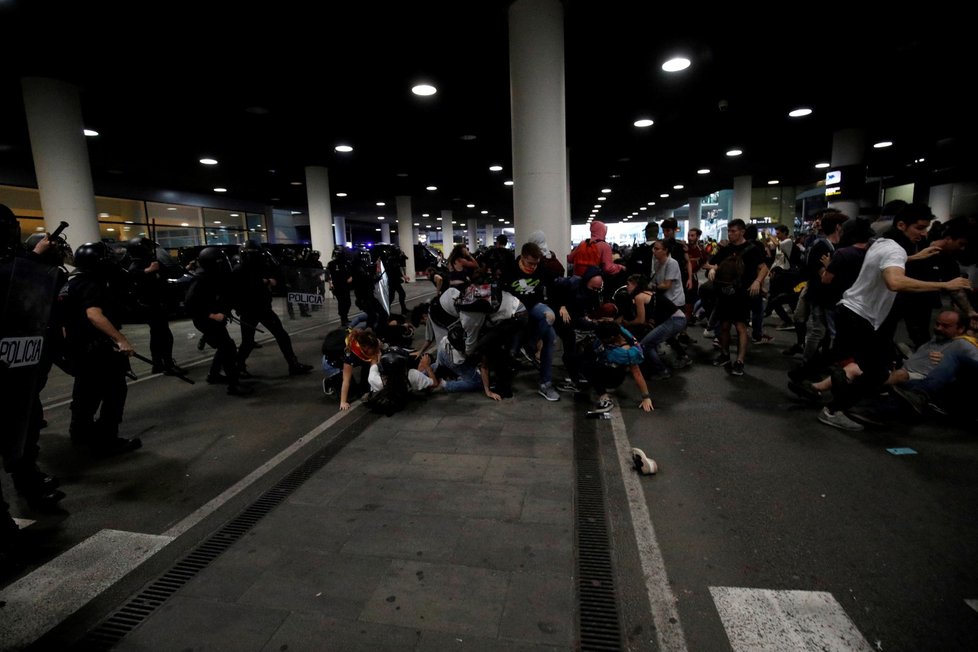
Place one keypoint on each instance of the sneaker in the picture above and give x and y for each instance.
(604, 405)
(806, 390)
(763, 339)
(737, 368)
(568, 385)
(838, 420)
(683, 362)
(916, 400)
(722, 360)
(525, 357)
(716, 343)
(548, 392)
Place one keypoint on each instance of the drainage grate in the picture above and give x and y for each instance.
(117, 626)
(598, 604)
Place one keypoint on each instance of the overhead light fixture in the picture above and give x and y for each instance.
(424, 89)
(651, 203)
(643, 208)
(217, 221)
(220, 189)
(377, 229)
(678, 187)
(484, 212)
(501, 220)
(295, 183)
(432, 188)
(665, 194)
(773, 182)
(507, 183)
(293, 212)
(602, 199)
(235, 215)
(110, 229)
(597, 205)
(380, 217)
(417, 224)
(380, 203)
(170, 208)
(644, 122)
(425, 215)
(800, 112)
(882, 144)
(470, 205)
(91, 133)
(438, 218)
(821, 166)
(734, 152)
(208, 161)
(676, 64)
(341, 194)
(606, 190)
(184, 224)
(703, 171)
(103, 215)
(495, 168)
(343, 149)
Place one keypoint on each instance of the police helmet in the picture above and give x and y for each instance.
(212, 259)
(92, 256)
(9, 230)
(141, 247)
(250, 252)
(58, 254)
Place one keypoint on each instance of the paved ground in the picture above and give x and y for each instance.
(461, 523)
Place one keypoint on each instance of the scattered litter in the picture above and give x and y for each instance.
(901, 451)
(319, 594)
(642, 463)
(823, 495)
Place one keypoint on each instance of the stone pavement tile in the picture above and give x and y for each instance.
(315, 633)
(515, 546)
(515, 443)
(304, 527)
(530, 471)
(456, 599)
(433, 497)
(540, 609)
(442, 466)
(435, 440)
(374, 461)
(405, 536)
(432, 641)
(322, 488)
(198, 624)
(238, 568)
(324, 583)
(548, 503)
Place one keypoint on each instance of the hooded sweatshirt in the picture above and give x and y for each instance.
(608, 266)
(549, 260)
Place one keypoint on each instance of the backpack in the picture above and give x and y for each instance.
(479, 297)
(730, 273)
(334, 346)
(393, 397)
(586, 254)
(619, 356)
(456, 336)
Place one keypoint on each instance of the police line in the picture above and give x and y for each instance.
(21, 351)
(310, 299)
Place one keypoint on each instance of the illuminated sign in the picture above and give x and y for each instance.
(834, 191)
(833, 177)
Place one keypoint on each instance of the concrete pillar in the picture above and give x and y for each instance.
(536, 60)
(491, 234)
(320, 210)
(939, 201)
(741, 198)
(473, 234)
(406, 234)
(848, 149)
(385, 233)
(339, 230)
(695, 213)
(64, 175)
(447, 233)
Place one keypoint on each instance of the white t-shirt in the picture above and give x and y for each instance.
(869, 297)
(670, 271)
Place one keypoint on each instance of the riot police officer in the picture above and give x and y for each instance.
(149, 286)
(209, 302)
(253, 282)
(340, 273)
(90, 305)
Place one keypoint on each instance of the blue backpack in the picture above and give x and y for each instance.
(619, 356)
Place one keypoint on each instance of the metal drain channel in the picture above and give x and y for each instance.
(117, 626)
(597, 598)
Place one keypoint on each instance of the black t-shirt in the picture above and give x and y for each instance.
(751, 255)
(844, 267)
(339, 272)
(813, 263)
(530, 289)
(81, 292)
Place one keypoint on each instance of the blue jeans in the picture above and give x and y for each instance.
(469, 377)
(537, 327)
(664, 331)
(960, 355)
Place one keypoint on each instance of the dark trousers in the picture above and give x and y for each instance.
(160, 337)
(267, 318)
(100, 386)
(216, 334)
(398, 289)
(872, 350)
(343, 304)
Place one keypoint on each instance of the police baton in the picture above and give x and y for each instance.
(234, 320)
(171, 373)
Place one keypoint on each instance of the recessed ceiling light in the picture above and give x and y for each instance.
(597, 205)
(103, 215)
(184, 224)
(425, 214)
(773, 182)
(343, 148)
(295, 183)
(501, 220)
(438, 218)
(484, 212)
(235, 215)
(217, 221)
(91, 133)
(380, 203)
(644, 122)
(128, 221)
(602, 199)
(380, 217)
(606, 190)
(432, 188)
(734, 152)
(341, 194)
(643, 208)
(468, 137)
(296, 212)
(651, 203)
(507, 183)
(800, 112)
(220, 189)
(665, 194)
(424, 89)
(495, 168)
(110, 229)
(208, 161)
(377, 229)
(170, 208)
(678, 187)
(274, 199)
(417, 224)
(882, 144)
(820, 166)
(703, 171)
(676, 64)
(470, 205)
